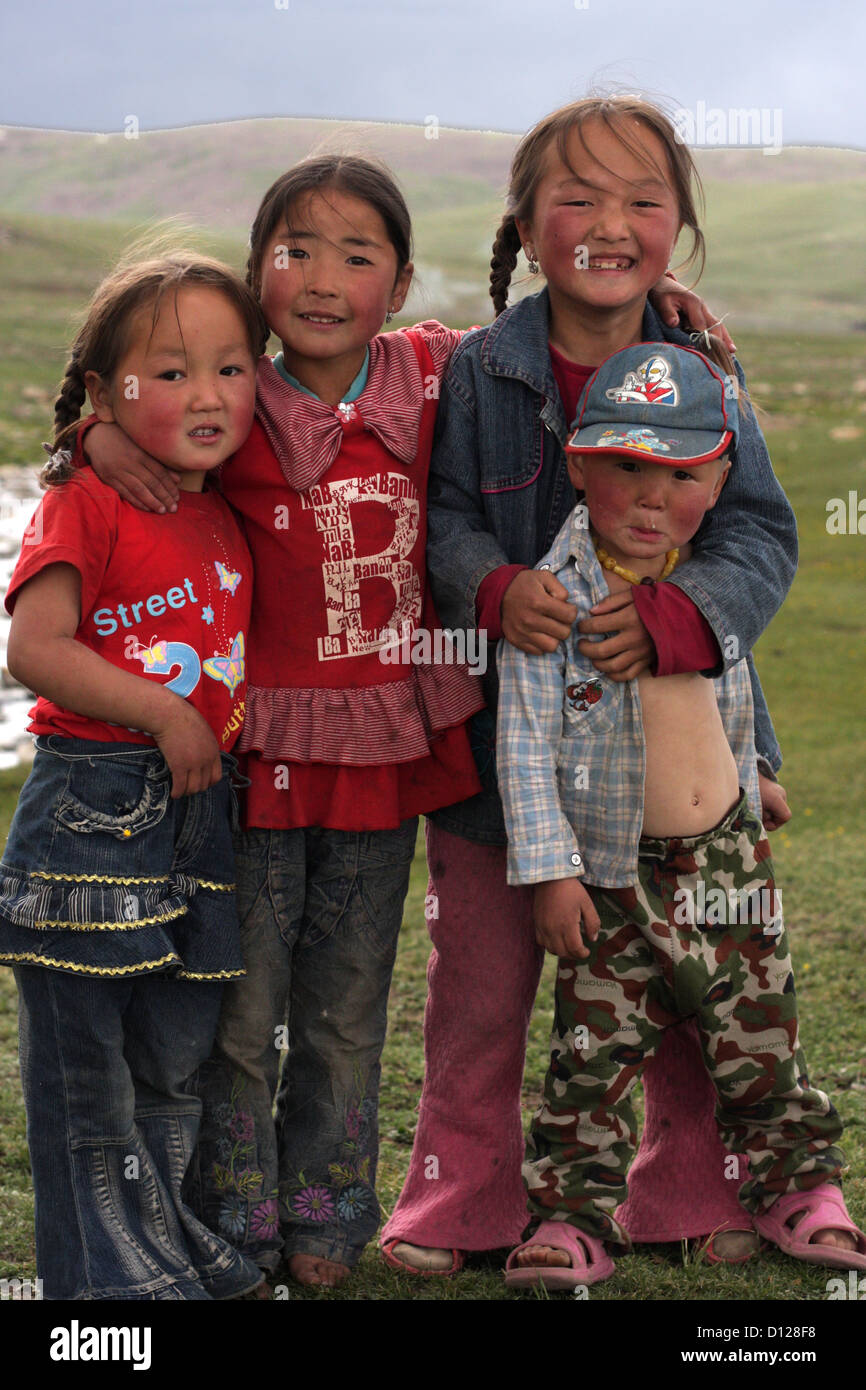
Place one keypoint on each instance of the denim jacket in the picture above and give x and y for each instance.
(499, 493)
(570, 746)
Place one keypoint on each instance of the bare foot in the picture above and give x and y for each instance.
(316, 1270)
(829, 1235)
(423, 1256)
(543, 1255)
(735, 1245)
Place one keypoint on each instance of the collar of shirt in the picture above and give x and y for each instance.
(574, 546)
(306, 434)
(353, 392)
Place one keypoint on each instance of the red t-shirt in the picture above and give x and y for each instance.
(163, 597)
(571, 377)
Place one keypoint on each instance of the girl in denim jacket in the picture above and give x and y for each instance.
(117, 906)
(600, 191)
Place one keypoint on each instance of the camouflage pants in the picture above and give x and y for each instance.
(699, 934)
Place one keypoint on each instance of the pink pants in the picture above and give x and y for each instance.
(464, 1188)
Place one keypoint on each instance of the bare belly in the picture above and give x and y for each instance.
(691, 774)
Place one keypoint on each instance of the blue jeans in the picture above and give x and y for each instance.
(106, 1066)
(320, 915)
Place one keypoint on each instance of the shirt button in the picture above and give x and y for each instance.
(575, 859)
(544, 567)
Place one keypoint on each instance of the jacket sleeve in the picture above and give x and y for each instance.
(460, 549)
(541, 842)
(766, 744)
(745, 554)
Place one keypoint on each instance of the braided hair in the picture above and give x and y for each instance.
(506, 245)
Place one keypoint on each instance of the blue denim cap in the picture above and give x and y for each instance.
(668, 403)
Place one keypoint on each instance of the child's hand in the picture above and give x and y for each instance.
(775, 810)
(558, 909)
(630, 650)
(672, 299)
(190, 749)
(133, 474)
(536, 616)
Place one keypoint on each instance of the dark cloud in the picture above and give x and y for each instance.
(471, 63)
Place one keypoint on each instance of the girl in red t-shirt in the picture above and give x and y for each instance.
(117, 909)
(355, 714)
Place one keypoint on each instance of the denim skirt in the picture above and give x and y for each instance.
(104, 874)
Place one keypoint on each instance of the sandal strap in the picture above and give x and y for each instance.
(828, 1212)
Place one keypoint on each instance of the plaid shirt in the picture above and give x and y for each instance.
(571, 778)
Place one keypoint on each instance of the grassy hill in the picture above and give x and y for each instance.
(784, 232)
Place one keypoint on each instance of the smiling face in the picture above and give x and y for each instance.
(184, 389)
(640, 509)
(329, 275)
(618, 205)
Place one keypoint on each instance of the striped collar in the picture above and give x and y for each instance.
(306, 434)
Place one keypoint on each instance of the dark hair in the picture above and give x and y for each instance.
(350, 174)
(104, 337)
(528, 169)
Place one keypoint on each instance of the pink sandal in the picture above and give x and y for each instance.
(824, 1209)
(590, 1262)
(458, 1260)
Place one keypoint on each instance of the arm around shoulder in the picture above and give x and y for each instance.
(745, 555)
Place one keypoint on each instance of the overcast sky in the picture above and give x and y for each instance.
(488, 64)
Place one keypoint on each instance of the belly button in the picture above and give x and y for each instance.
(696, 801)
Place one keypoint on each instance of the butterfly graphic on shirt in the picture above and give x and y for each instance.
(162, 656)
(228, 669)
(229, 579)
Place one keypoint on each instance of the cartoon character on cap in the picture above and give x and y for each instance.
(651, 384)
(639, 437)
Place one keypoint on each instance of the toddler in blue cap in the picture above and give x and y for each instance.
(633, 808)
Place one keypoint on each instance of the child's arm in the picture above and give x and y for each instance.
(462, 551)
(542, 849)
(745, 554)
(671, 299)
(43, 655)
(121, 465)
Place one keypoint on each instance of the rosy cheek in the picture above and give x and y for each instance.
(689, 514)
(154, 420)
(607, 499)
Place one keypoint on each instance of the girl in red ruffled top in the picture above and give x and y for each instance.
(349, 738)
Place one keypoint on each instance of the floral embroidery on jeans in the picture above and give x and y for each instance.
(346, 1195)
(314, 1203)
(240, 1183)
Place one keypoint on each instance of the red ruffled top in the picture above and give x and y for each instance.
(334, 505)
